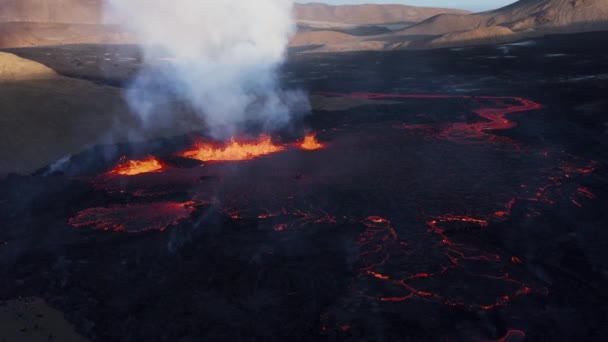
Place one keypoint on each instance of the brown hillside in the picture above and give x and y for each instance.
(367, 14)
(13, 68)
(39, 106)
(91, 12)
(319, 38)
(46, 116)
(484, 35)
(554, 15)
(38, 34)
(52, 11)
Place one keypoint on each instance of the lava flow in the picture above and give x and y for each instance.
(383, 252)
(234, 150)
(136, 167)
(494, 115)
(437, 248)
(133, 218)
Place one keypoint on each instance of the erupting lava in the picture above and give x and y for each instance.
(234, 150)
(310, 143)
(135, 167)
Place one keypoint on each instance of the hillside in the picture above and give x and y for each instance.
(91, 12)
(366, 14)
(523, 19)
(52, 11)
(319, 38)
(552, 15)
(25, 34)
(13, 68)
(75, 114)
(483, 35)
(25, 23)
(323, 27)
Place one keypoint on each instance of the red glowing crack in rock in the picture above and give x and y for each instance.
(380, 246)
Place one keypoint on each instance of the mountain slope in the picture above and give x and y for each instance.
(366, 14)
(554, 15)
(27, 34)
(25, 23)
(91, 12)
(52, 11)
(46, 116)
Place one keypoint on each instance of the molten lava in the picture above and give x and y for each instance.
(495, 116)
(135, 167)
(234, 150)
(310, 143)
(133, 218)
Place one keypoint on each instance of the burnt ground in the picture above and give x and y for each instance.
(463, 201)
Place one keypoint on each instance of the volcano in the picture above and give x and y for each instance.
(424, 201)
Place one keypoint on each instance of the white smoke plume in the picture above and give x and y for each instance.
(220, 58)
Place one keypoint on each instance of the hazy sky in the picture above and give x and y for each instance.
(473, 5)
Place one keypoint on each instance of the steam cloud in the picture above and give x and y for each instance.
(220, 57)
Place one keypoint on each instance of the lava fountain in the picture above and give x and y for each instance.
(234, 150)
(310, 143)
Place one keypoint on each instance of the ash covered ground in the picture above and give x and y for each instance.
(459, 195)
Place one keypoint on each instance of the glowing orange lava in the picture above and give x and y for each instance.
(234, 150)
(310, 143)
(135, 167)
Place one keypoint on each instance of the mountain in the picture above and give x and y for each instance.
(52, 11)
(26, 34)
(52, 22)
(366, 14)
(523, 16)
(91, 12)
(522, 19)
(325, 27)
(26, 23)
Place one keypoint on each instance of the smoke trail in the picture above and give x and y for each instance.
(219, 57)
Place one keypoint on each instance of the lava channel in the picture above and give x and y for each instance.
(495, 115)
